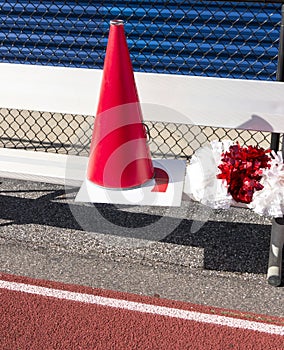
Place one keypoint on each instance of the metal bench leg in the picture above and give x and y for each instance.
(275, 255)
(277, 232)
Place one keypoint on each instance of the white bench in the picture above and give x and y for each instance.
(216, 102)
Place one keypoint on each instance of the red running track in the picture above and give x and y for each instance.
(43, 315)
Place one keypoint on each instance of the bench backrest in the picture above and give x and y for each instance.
(217, 102)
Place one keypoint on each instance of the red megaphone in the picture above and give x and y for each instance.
(119, 155)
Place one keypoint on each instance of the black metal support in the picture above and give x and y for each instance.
(274, 141)
(275, 138)
(274, 274)
(280, 64)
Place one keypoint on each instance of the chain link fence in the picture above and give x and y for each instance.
(205, 38)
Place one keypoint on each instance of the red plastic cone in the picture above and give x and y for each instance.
(119, 157)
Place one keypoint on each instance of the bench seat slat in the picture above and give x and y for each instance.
(43, 167)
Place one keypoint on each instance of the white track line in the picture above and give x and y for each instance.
(145, 308)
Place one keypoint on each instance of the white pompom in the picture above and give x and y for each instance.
(202, 184)
(270, 200)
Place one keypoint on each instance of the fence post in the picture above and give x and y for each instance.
(275, 138)
(280, 64)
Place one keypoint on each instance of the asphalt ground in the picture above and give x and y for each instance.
(191, 253)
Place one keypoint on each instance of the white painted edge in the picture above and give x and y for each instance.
(219, 102)
(144, 308)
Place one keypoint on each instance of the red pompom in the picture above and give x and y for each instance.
(242, 169)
